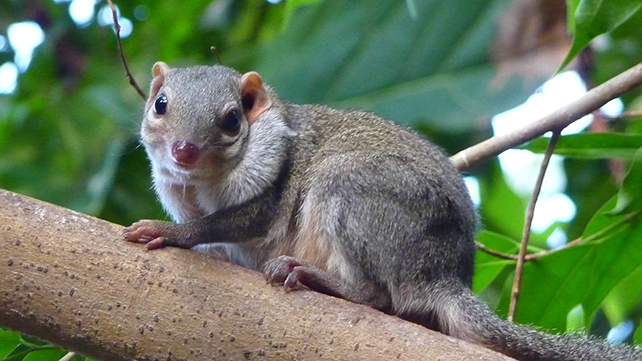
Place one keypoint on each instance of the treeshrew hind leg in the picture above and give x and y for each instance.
(292, 272)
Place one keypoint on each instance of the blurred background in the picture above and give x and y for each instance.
(453, 70)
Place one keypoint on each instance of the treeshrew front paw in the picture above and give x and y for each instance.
(146, 231)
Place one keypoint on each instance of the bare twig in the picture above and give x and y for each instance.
(626, 115)
(216, 54)
(631, 114)
(558, 119)
(528, 257)
(132, 81)
(527, 224)
(480, 246)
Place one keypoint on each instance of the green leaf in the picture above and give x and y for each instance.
(33, 342)
(624, 298)
(584, 274)
(434, 69)
(602, 223)
(290, 7)
(591, 145)
(630, 195)
(488, 267)
(9, 340)
(575, 319)
(571, 8)
(18, 353)
(46, 355)
(590, 18)
(17, 347)
(638, 335)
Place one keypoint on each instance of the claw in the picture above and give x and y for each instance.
(156, 243)
(292, 281)
(283, 271)
(145, 231)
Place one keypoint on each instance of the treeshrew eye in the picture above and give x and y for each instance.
(230, 123)
(160, 104)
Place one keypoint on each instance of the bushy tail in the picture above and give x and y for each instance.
(461, 314)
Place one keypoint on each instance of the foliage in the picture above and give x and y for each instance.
(590, 18)
(68, 134)
(591, 145)
(14, 347)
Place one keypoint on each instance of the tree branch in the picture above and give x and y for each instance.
(70, 279)
(562, 117)
(530, 213)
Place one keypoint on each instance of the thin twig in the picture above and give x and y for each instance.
(625, 115)
(132, 81)
(519, 269)
(528, 257)
(631, 114)
(216, 54)
(593, 99)
(480, 246)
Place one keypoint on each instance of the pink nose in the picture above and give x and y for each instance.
(184, 153)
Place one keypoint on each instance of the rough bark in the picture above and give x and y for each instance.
(70, 279)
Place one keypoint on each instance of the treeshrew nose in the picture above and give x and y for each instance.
(184, 153)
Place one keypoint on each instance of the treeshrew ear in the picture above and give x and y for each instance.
(255, 97)
(159, 71)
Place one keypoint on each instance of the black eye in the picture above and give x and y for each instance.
(160, 104)
(230, 123)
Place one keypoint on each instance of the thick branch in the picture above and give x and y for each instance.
(558, 119)
(70, 279)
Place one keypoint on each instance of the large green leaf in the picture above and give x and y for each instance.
(488, 267)
(591, 145)
(434, 67)
(9, 340)
(583, 274)
(45, 355)
(624, 298)
(604, 222)
(590, 18)
(630, 194)
(290, 5)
